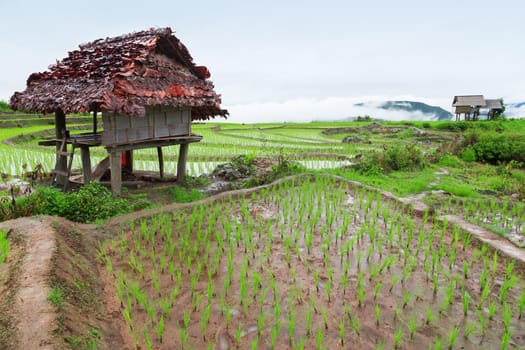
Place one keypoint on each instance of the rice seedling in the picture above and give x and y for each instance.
(438, 343)
(377, 310)
(506, 316)
(521, 304)
(430, 317)
(276, 329)
(319, 339)
(377, 289)
(243, 263)
(505, 338)
(482, 322)
(508, 283)
(470, 328)
(325, 318)
(356, 325)
(452, 337)
(465, 302)
(412, 325)
(398, 338)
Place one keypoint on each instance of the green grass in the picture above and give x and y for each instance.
(4, 107)
(4, 246)
(184, 195)
(56, 297)
(399, 183)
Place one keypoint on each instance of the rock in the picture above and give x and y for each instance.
(419, 132)
(354, 139)
(227, 172)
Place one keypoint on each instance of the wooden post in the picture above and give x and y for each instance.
(60, 132)
(95, 122)
(181, 163)
(116, 171)
(161, 162)
(86, 163)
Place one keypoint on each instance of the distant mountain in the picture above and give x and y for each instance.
(516, 105)
(433, 112)
(515, 110)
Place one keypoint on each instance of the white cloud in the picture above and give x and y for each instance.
(332, 108)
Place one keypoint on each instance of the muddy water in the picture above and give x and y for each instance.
(307, 264)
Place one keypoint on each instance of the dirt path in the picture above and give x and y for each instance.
(35, 316)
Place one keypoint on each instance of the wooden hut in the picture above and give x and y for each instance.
(147, 88)
(494, 106)
(468, 105)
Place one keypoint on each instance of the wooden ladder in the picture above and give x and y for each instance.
(63, 154)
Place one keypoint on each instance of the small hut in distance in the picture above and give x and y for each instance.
(147, 88)
(470, 106)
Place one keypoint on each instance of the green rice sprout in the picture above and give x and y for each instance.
(377, 289)
(159, 329)
(407, 297)
(356, 325)
(412, 325)
(482, 322)
(276, 329)
(377, 314)
(395, 280)
(398, 338)
(506, 315)
(325, 318)
(438, 343)
(521, 304)
(291, 327)
(505, 338)
(465, 301)
(430, 317)
(261, 317)
(342, 332)
(308, 321)
(466, 266)
(319, 339)
(470, 328)
(452, 337)
(508, 283)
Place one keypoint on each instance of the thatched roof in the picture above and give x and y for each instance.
(469, 100)
(493, 104)
(123, 75)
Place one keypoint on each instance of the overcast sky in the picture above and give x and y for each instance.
(293, 60)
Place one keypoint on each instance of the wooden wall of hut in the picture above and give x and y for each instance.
(159, 122)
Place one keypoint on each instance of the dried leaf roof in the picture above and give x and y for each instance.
(493, 103)
(123, 75)
(469, 100)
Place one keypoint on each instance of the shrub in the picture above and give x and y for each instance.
(468, 155)
(93, 202)
(449, 160)
(408, 158)
(496, 148)
(370, 167)
(51, 201)
(4, 106)
(393, 158)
